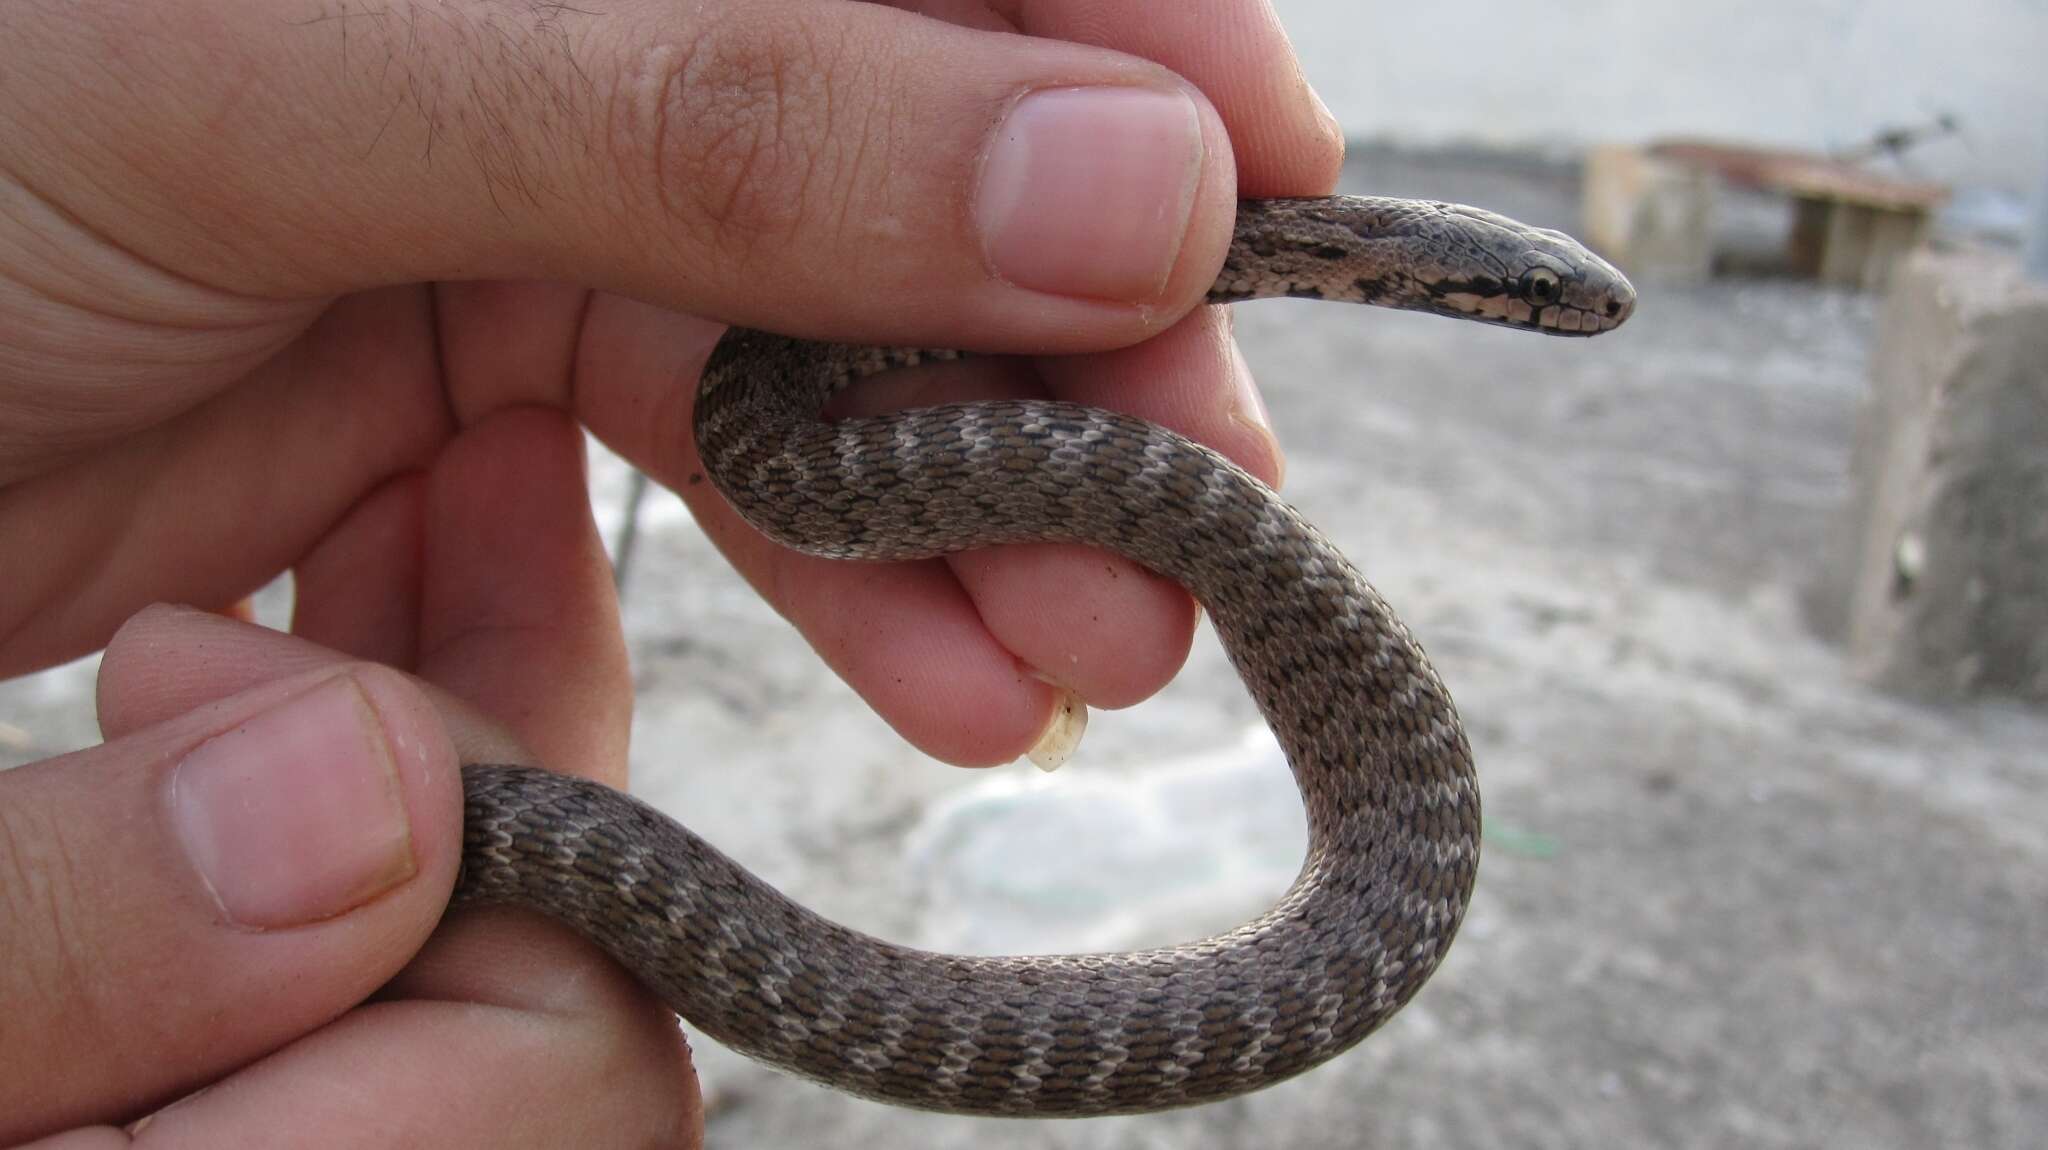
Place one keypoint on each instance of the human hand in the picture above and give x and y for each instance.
(258, 259)
(231, 894)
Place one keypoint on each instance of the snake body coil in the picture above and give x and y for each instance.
(1376, 747)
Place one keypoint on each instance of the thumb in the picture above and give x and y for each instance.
(191, 896)
(827, 169)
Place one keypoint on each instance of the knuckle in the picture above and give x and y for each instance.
(42, 943)
(737, 130)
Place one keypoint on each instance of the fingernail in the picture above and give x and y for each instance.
(1331, 127)
(296, 815)
(1248, 409)
(1087, 191)
(1062, 736)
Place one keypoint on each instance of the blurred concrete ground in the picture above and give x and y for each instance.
(1729, 895)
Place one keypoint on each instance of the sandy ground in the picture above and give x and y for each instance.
(1729, 896)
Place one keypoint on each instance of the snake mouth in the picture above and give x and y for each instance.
(1605, 295)
(1503, 309)
(1603, 310)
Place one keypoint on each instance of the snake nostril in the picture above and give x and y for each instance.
(1614, 307)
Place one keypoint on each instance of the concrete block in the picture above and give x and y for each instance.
(1945, 568)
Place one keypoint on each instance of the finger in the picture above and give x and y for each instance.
(525, 1032)
(216, 656)
(1099, 625)
(1192, 379)
(1085, 620)
(518, 612)
(959, 660)
(187, 897)
(1285, 141)
(827, 169)
(358, 591)
(210, 506)
(518, 615)
(535, 1058)
(510, 344)
(512, 573)
(518, 620)
(904, 635)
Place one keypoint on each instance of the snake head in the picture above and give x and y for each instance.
(1504, 272)
(1422, 255)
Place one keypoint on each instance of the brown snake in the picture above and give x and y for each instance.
(1377, 750)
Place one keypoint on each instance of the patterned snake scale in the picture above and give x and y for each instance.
(1382, 763)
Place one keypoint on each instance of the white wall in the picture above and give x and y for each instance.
(1816, 74)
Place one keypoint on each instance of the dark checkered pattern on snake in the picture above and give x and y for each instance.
(1382, 763)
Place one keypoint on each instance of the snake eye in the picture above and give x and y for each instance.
(1541, 287)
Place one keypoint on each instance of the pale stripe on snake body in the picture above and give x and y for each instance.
(1377, 750)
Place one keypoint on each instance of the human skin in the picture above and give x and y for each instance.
(331, 289)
